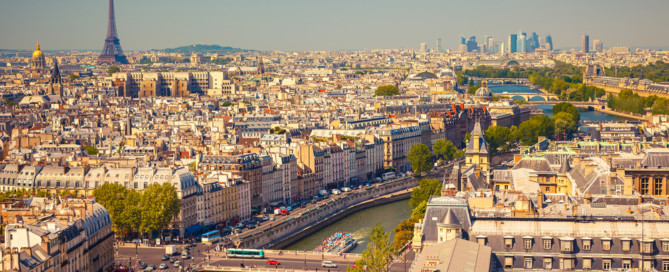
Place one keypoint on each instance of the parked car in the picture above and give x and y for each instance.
(265, 218)
(142, 265)
(184, 255)
(251, 225)
(346, 189)
(273, 262)
(173, 260)
(329, 264)
(165, 258)
(162, 266)
(150, 268)
(177, 263)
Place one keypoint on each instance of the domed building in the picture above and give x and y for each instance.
(483, 94)
(38, 62)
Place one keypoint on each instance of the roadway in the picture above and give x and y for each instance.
(288, 260)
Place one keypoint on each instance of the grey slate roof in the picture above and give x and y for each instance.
(438, 209)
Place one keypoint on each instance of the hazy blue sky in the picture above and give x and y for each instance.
(327, 25)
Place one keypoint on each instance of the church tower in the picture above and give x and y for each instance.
(55, 83)
(477, 151)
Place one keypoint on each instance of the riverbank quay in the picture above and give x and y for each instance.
(332, 209)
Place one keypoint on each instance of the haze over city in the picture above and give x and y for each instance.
(327, 25)
(384, 136)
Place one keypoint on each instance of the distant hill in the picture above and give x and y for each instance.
(204, 48)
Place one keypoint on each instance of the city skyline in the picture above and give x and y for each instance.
(305, 26)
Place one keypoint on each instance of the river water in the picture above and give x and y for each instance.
(360, 225)
(585, 115)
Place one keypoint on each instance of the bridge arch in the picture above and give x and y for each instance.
(518, 97)
(537, 98)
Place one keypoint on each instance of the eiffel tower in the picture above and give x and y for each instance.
(112, 52)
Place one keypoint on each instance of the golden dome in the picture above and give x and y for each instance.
(37, 52)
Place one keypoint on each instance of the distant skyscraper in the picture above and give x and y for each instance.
(513, 39)
(585, 44)
(463, 39)
(491, 44)
(522, 43)
(598, 46)
(472, 45)
(485, 48)
(423, 47)
(549, 41)
(438, 44)
(502, 48)
(535, 38)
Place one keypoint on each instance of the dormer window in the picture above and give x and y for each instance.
(527, 241)
(587, 244)
(566, 244)
(626, 244)
(606, 244)
(508, 241)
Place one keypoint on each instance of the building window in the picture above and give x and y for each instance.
(548, 263)
(626, 245)
(508, 242)
(528, 243)
(657, 187)
(646, 247)
(665, 246)
(481, 240)
(565, 245)
(647, 266)
(528, 262)
(665, 265)
(606, 245)
(587, 264)
(548, 243)
(643, 186)
(627, 264)
(606, 264)
(508, 261)
(565, 264)
(586, 244)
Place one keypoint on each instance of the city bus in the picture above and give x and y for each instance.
(246, 253)
(211, 237)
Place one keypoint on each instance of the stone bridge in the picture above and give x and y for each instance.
(529, 96)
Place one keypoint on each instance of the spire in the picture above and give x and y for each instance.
(37, 47)
(55, 74)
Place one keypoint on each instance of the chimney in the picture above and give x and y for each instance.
(540, 201)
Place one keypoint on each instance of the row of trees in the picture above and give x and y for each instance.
(563, 124)
(629, 101)
(145, 212)
(657, 72)
(422, 159)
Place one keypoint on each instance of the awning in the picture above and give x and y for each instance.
(193, 228)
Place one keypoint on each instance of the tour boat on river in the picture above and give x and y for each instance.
(340, 242)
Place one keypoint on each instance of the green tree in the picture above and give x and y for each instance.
(499, 138)
(159, 205)
(426, 189)
(568, 108)
(73, 76)
(564, 124)
(113, 69)
(386, 90)
(91, 150)
(530, 130)
(378, 255)
(112, 196)
(444, 149)
(420, 158)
